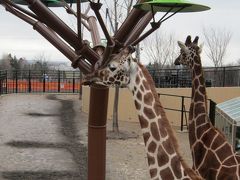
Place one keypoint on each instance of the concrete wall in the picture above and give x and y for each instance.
(127, 110)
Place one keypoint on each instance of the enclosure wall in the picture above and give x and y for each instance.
(127, 110)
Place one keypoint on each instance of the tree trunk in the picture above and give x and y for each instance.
(80, 91)
(116, 96)
(115, 111)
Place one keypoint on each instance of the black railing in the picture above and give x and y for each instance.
(183, 111)
(215, 77)
(33, 81)
(3, 82)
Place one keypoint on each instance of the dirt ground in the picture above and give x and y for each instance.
(44, 137)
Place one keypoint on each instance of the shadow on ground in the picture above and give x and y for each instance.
(41, 175)
(35, 114)
(72, 145)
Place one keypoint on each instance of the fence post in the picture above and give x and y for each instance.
(212, 112)
(73, 81)
(177, 83)
(224, 71)
(154, 78)
(29, 81)
(80, 90)
(182, 110)
(1, 86)
(59, 80)
(6, 82)
(44, 81)
(16, 81)
(1, 82)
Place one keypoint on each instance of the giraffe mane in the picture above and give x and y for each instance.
(204, 84)
(166, 122)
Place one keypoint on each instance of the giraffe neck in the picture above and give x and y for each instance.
(163, 157)
(198, 106)
(211, 152)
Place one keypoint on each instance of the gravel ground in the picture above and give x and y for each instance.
(44, 137)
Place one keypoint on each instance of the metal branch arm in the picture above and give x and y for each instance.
(96, 7)
(156, 25)
(129, 31)
(50, 35)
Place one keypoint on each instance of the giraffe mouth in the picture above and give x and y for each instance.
(88, 82)
(90, 79)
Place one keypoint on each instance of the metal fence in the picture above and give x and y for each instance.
(23, 81)
(35, 81)
(184, 111)
(54, 81)
(214, 77)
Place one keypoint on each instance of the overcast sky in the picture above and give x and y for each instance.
(18, 38)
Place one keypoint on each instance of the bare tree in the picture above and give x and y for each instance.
(120, 10)
(238, 61)
(5, 62)
(217, 41)
(160, 49)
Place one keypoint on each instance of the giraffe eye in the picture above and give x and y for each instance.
(111, 67)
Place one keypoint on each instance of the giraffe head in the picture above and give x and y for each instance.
(116, 73)
(189, 51)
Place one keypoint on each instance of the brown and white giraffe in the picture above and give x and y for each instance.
(213, 156)
(164, 159)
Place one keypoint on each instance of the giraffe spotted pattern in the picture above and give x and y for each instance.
(164, 160)
(213, 156)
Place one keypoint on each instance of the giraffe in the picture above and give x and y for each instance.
(213, 157)
(164, 159)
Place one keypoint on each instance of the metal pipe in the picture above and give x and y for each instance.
(108, 51)
(129, 23)
(97, 132)
(21, 9)
(155, 26)
(139, 28)
(62, 46)
(15, 12)
(55, 23)
(97, 117)
(53, 39)
(92, 22)
(182, 110)
(79, 20)
(96, 7)
(58, 43)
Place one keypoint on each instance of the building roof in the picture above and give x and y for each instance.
(231, 108)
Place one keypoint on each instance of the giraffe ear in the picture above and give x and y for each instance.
(200, 48)
(188, 40)
(195, 41)
(182, 46)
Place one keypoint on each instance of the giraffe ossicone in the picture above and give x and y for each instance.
(164, 159)
(213, 157)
